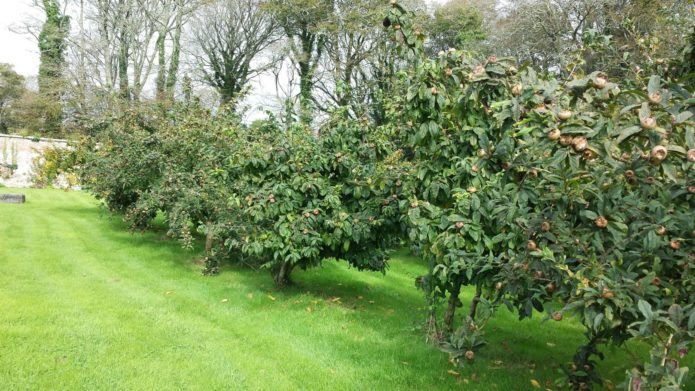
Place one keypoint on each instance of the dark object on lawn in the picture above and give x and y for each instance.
(13, 198)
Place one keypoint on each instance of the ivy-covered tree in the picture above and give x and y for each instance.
(52, 44)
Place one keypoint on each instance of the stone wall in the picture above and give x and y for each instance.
(21, 151)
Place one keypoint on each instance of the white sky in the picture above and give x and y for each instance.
(18, 50)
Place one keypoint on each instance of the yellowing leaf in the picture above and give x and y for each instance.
(453, 373)
(535, 383)
(271, 298)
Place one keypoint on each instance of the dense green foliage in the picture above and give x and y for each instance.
(11, 89)
(561, 196)
(263, 195)
(556, 196)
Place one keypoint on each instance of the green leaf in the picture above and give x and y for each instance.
(627, 132)
(654, 84)
(645, 308)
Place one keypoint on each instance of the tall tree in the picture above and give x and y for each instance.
(11, 89)
(458, 24)
(230, 35)
(52, 43)
(171, 16)
(304, 23)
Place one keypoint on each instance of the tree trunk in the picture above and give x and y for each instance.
(454, 302)
(474, 303)
(161, 69)
(282, 277)
(209, 239)
(123, 83)
(172, 77)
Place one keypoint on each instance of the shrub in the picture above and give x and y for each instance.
(560, 197)
(267, 196)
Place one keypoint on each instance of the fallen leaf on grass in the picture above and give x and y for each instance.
(453, 373)
(271, 298)
(535, 383)
(308, 309)
(225, 300)
(371, 301)
(551, 344)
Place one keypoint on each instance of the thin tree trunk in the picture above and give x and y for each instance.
(454, 302)
(282, 278)
(172, 77)
(474, 303)
(209, 239)
(161, 70)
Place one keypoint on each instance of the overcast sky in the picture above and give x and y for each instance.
(18, 50)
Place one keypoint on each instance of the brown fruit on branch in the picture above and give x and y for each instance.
(675, 244)
(434, 91)
(482, 153)
(517, 89)
(648, 122)
(449, 71)
(607, 293)
(531, 245)
(564, 115)
(661, 231)
(499, 286)
(658, 154)
(691, 189)
(580, 144)
(460, 224)
(470, 355)
(414, 204)
(554, 134)
(600, 82)
(691, 155)
(557, 316)
(601, 222)
(546, 226)
(629, 174)
(316, 212)
(538, 275)
(541, 109)
(655, 98)
(566, 140)
(550, 288)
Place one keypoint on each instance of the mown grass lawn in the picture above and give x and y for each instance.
(84, 304)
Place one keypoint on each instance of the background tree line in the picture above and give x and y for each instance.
(309, 56)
